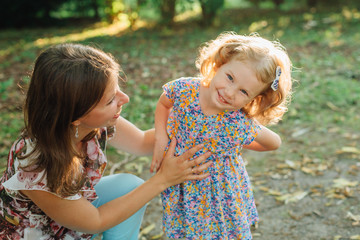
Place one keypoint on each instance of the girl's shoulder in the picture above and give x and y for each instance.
(182, 88)
(186, 82)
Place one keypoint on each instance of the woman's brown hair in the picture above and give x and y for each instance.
(67, 82)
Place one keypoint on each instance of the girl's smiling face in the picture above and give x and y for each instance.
(108, 109)
(233, 86)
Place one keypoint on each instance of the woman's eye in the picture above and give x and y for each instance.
(229, 77)
(111, 101)
(244, 92)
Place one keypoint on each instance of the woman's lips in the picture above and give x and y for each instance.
(117, 115)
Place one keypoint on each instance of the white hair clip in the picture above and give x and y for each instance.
(275, 84)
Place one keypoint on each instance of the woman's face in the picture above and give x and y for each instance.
(108, 109)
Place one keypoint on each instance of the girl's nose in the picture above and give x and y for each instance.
(123, 98)
(229, 92)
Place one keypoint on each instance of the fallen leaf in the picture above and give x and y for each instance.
(300, 132)
(264, 189)
(342, 183)
(332, 106)
(291, 164)
(147, 229)
(157, 236)
(292, 197)
(308, 170)
(353, 217)
(317, 213)
(274, 193)
(293, 216)
(348, 150)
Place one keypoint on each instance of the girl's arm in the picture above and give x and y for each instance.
(266, 140)
(131, 139)
(162, 112)
(82, 216)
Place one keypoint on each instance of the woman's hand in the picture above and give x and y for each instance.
(175, 170)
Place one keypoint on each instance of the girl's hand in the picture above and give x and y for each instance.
(175, 170)
(159, 148)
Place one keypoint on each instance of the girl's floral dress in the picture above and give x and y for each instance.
(20, 218)
(221, 206)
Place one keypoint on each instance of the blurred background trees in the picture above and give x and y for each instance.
(25, 13)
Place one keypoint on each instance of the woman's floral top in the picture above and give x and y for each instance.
(20, 218)
(221, 206)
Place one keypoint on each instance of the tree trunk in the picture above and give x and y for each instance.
(209, 9)
(311, 3)
(278, 3)
(95, 7)
(167, 9)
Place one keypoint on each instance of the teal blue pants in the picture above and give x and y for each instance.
(114, 186)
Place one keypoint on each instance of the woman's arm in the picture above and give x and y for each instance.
(81, 215)
(266, 140)
(131, 139)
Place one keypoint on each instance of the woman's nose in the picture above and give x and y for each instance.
(123, 98)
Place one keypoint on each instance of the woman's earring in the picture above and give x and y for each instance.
(77, 132)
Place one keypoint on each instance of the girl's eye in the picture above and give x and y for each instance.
(244, 92)
(229, 77)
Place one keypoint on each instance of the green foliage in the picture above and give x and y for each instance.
(4, 87)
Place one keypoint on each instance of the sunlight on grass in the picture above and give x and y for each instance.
(110, 30)
(284, 22)
(98, 30)
(195, 12)
(350, 14)
(256, 26)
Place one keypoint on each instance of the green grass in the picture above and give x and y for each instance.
(324, 48)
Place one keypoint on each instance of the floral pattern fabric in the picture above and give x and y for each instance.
(221, 206)
(20, 218)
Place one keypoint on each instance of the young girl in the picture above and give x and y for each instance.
(245, 81)
(51, 188)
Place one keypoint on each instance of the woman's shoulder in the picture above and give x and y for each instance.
(22, 173)
(20, 148)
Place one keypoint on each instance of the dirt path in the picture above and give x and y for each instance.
(304, 200)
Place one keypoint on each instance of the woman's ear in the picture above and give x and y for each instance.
(76, 123)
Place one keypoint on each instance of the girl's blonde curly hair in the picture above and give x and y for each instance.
(264, 56)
